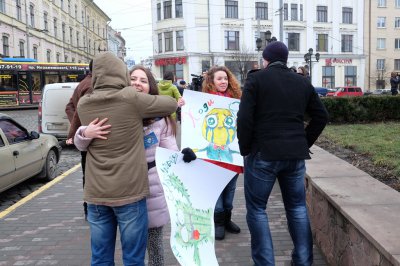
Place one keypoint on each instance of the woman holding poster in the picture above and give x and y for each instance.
(220, 81)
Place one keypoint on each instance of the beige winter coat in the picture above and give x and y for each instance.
(116, 169)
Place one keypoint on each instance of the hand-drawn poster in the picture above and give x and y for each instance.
(191, 190)
(209, 127)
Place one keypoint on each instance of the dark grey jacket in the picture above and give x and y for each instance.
(272, 113)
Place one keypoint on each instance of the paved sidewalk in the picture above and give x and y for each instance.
(50, 230)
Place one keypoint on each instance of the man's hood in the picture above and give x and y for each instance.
(164, 85)
(109, 72)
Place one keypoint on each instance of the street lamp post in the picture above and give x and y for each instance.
(259, 43)
(268, 38)
(309, 61)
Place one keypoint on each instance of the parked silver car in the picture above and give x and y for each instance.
(24, 155)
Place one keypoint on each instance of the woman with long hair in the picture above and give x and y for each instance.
(220, 81)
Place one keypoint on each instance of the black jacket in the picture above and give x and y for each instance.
(271, 114)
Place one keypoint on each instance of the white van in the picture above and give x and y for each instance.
(52, 117)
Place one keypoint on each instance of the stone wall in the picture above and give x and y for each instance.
(355, 218)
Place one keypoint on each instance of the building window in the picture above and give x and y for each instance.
(285, 12)
(381, 3)
(167, 9)
(397, 3)
(19, 10)
(347, 43)
(231, 40)
(328, 76)
(88, 22)
(159, 11)
(293, 12)
(3, 6)
(62, 4)
(35, 52)
(347, 15)
(397, 64)
(160, 43)
(231, 9)
(178, 9)
(69, 7)
(6, 46)
(84, 42)
(76, 12)
(397, 43)
(179, 41)
(32, 14)
(301, 12)
(45, 20)
(77, 39)
(48, 56)
(350, 75)
(381, 43)
(380, 64)
(83, 18)
(294, 41)
(397, 22)
(205, 65)
(381, 22)
(168, 41)
(63, 31)
(261, 10)
(322, 14)
(66, 58)
(70, 34)
(21, 49)
(55, 27)
(58, 57)
(322, 42)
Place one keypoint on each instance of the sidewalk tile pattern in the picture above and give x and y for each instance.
(50, 230)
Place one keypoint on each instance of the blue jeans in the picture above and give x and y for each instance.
(225, 200)
(132, 222)
(259, 178)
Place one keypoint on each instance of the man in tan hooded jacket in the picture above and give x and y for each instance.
(116, 169)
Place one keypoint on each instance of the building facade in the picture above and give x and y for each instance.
(189, 37)
(382, 42)
(116, 43)
(71, 31)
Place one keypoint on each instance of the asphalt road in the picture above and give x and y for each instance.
(69, 157)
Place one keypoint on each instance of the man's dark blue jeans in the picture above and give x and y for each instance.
(259, 179)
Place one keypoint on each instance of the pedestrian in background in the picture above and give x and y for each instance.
(158, 132)
(181, 88)
(84, 87)
(275, 143)
(116, 170)
(220, 81)
(302, 71)
(166, 87)
(394, 83)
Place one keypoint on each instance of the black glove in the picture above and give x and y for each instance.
(188, 155)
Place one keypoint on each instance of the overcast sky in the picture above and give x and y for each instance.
(133, 19)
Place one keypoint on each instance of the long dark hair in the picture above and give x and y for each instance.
(153, 91)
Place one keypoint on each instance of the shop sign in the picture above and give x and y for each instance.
(170, 61)
(330, 61)
(8, 98)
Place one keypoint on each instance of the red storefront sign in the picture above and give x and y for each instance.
(330, 61)
(170, 61)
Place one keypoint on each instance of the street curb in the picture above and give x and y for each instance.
(38, 191)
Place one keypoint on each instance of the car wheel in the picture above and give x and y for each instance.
(50, 166)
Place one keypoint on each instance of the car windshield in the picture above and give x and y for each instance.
(339, 89)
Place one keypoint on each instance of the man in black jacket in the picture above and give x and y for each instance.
(275, 143)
